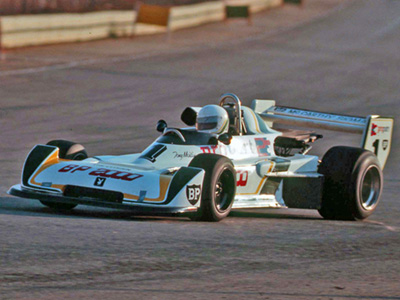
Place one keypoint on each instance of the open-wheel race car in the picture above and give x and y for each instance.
(228, 157)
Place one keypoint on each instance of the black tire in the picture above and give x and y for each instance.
(68, 150)
(353, 183)
(219, 187)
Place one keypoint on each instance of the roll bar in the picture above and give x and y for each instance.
(238, 108)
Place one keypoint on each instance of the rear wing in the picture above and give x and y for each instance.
(376, 130)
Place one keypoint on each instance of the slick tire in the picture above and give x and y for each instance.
(68, 150)
(219, 187)
(353, 183)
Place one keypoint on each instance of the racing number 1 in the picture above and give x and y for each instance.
(376, 147)
(154, 152)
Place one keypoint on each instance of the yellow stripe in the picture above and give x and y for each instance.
(261, 182)
(256, 122)
(164, 184)
(258, 188)
(52, 160)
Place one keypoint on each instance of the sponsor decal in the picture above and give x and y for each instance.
(320, 115)
(99, 181)
(242, 177)
(385, 144)
(101, 172)
(209, 149)
(193, 193)
(74, 168)
(263, 145)
(246, 147)
(115, 174)
(375, 129)
(186, 154)
(47, 184)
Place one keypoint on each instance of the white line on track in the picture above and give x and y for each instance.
(74, 64)
(390, 228)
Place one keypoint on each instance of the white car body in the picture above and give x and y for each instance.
(160, 178)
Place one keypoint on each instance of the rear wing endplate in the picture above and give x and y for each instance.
(376, 130)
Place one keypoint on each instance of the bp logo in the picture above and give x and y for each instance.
(193, 193)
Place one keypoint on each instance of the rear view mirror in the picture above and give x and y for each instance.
(225, 138)
(161, 125)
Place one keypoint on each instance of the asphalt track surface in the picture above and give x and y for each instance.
(108, 95)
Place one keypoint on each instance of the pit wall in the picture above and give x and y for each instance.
(32, 30)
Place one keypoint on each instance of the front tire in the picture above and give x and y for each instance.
(353, 183)
(69, 150)
(219, 187)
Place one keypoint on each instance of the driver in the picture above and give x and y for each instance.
(212, 119)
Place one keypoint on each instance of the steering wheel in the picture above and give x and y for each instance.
(174, 131)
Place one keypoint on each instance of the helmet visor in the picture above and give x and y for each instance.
(207, 123)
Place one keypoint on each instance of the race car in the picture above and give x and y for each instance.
(228, 157)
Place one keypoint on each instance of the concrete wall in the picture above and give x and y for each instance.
(29, 30)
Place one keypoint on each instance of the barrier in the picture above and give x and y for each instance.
(1, 44)
(154, 15)
(299, 2)
(31, 30)
(196, 14)
(19, 31)
(238, 11)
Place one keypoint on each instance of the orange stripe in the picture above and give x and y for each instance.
(261, 182)
(164, 184)
(52, 160)
(270, 168)
(256, 122)
(258, 188)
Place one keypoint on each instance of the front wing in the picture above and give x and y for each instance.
(19, 191)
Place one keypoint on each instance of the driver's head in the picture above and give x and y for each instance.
(212, 119)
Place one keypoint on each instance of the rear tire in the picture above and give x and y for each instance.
(353, 183)
(219, 187)
(68, 150)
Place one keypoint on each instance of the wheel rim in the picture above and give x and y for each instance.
(223, 191)
(370, 188)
